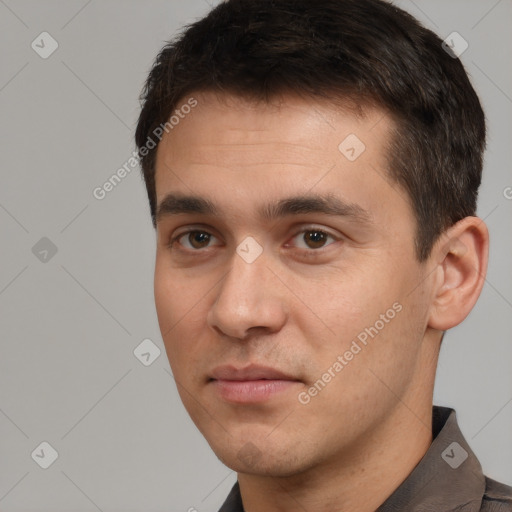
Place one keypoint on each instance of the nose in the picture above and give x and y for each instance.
(248, 300)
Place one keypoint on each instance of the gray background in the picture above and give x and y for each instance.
(69, 325)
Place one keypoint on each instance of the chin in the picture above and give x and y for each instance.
(264, 460)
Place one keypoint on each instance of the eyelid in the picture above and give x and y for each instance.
(322, 229)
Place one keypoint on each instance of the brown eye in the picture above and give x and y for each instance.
(315, 239)
(198, 239)
(312, 239)
(194, 240)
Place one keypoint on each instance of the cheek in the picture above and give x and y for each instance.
(368, 319)
(177, 306)
(358, 383)
(176, 295)
(342, 305)
(182, 301)
(166, 302)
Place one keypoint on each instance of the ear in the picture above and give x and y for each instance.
(461, 255)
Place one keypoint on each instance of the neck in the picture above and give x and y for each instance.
(359, 478)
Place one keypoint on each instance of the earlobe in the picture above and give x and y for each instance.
(461, 255)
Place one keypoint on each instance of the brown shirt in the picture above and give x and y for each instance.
(448, 478)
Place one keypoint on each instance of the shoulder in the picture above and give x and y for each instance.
(497, 497)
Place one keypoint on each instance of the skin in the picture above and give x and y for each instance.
(304, 299)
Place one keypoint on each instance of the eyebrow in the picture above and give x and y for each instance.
(175, 204)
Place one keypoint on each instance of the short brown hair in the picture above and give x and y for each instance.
(366, 49)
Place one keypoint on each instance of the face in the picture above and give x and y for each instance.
(289, 297)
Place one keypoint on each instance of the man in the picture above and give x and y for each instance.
(312, 168)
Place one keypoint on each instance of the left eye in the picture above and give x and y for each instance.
(312, 239)
(195, 239)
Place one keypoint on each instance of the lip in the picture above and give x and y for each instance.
(251, 372)
(252, 384)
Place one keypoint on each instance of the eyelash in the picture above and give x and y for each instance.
(301, 232)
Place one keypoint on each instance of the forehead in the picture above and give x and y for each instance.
(304, 123)
(231, 149)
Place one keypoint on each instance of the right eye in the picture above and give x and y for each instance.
(193, 240)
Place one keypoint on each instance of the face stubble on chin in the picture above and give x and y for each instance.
(294, 309)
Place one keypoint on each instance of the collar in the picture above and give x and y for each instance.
(448, 477)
